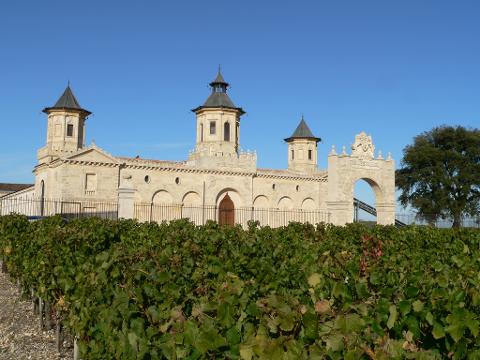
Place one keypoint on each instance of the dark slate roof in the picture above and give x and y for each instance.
(219, 99)
(302, 132)
(67, 101)
(13, 187)
(219, 79)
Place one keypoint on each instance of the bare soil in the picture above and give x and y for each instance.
(20, 334)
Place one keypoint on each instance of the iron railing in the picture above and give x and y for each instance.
(71, 209)
(149, 212)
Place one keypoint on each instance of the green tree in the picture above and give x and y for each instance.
(440, 174)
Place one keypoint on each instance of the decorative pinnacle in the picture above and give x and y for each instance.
(333, 151)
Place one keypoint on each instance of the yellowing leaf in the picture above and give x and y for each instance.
(438, 332)
(246, 352)
(417, 306)
(393, 316)
(314, 280)
(429, 318)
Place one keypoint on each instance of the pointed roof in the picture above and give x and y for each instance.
(219, 98)
(302, 132)
(219, 79)
(67, 101)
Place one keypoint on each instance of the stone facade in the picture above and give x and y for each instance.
(68, 169)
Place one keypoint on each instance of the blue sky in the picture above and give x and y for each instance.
(391, 68)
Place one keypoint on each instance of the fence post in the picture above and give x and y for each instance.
(126, 198)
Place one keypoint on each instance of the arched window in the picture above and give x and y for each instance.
(309, 154)
(201, 132)
(293, 155)
(226, 131)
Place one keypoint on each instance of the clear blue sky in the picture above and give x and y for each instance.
(391, 68)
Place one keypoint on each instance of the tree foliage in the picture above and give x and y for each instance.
(440, 174)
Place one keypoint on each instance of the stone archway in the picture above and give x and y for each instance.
(360, 202)
(345, 170)
(226, 211)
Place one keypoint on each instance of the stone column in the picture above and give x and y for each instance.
(126, 198)
(341, 212)
(385, 213)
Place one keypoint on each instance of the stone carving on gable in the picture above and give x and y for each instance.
(363, 146)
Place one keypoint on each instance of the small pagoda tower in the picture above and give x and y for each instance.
(302, 149)
(218, 122)
(66, 128)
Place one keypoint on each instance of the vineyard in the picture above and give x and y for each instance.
(127, 290)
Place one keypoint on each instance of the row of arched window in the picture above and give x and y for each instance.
(310, 154)
(213, 130)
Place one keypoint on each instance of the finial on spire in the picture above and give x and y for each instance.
(333, 151)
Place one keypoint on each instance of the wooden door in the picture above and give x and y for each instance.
(226, 211)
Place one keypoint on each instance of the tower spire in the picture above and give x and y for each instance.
(219, 97)
(67, 101)
(219, 83)
(302, 132)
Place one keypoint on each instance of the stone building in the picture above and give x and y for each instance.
(7, 188)
(217, 181)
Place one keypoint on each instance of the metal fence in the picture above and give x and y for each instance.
(71, 209)
(148, 212)
(410, 219)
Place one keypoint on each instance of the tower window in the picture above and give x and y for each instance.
(293, 155)
(309, 154)
(201, 132)
(213, 127)
(69, 130)
(226, 131)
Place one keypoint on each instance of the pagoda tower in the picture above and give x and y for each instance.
(65, 128)
(302, 149)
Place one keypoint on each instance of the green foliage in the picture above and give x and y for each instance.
(440, 174)
(179, 291)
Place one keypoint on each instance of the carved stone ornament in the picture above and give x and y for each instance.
(363, 146)
(126, 181)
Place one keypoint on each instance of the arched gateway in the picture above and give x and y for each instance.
(344, 170)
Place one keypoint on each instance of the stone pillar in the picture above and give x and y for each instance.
(126, 198)
(341, 212)
(385, 213)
